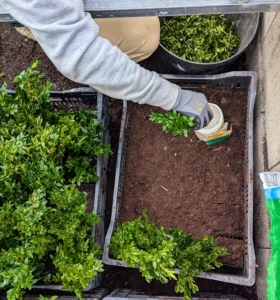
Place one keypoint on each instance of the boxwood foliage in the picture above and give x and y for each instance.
(174, 121)
(200, 38)
(156, 251)
(43, 156)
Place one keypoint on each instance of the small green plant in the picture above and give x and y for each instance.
(44, 155)
(45, 298)
(157, 251)
(173, 121)
(200, 38)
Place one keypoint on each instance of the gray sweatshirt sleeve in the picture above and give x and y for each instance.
(70, 39)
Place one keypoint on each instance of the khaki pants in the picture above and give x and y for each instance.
(137, 37)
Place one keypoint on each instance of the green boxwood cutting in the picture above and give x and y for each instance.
(173, 121)
(43, 157)
(156, 251)
(200, 38)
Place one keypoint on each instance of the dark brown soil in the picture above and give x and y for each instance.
(90, 190)
(16, 54)
(184, 183)
(235, 251)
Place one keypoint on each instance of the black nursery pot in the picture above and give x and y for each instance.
(169, 63)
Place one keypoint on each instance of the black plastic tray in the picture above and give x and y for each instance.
(246, 81)
(90, 99)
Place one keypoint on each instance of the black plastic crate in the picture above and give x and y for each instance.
(90, 99)
(121, 294)
(245, 81)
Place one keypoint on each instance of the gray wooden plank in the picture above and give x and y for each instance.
(132, 8)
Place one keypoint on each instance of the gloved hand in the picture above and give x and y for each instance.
(192, 104)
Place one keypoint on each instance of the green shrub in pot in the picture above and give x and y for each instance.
(200, 38)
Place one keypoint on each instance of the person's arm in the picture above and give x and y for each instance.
(70, 39)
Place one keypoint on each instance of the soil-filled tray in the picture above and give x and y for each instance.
(90, 99)
(183, 183)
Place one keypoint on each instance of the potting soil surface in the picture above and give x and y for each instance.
(16, 54)
(184, 183)
(89, 189)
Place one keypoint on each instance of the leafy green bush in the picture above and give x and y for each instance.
(200, 38)
(157, 252)
(172, 120)
(43, 156)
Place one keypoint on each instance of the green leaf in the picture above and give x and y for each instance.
(157, 251)
(174, 121)
(44, 154)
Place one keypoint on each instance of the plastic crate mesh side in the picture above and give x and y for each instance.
(89, 101)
